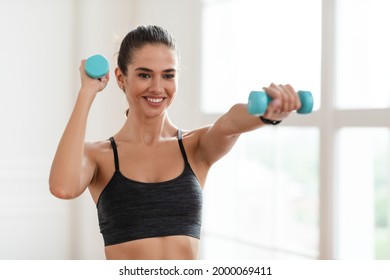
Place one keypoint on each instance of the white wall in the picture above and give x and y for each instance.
(43, 42)
(36, 63)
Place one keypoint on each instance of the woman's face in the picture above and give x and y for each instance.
(151, 81)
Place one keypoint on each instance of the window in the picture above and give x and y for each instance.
(362, 97)
(264, 197)
(317, 186)
(268, 185)
(363, 180)
(248, 44)
(363, 57)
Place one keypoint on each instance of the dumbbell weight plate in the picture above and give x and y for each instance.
(257, 102)
(96, 66)
(306, 102)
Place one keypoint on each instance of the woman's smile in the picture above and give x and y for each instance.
(154, 101)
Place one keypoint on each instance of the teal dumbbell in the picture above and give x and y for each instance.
(96, 66)
(258, 102)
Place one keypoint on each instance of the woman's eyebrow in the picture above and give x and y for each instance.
(144, 69)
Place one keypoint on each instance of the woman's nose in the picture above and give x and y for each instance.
(156, 86)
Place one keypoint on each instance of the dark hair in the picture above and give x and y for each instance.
(138, 38)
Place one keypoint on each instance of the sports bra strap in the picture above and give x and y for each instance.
(183, 151)
(113, 144)
(114, 148)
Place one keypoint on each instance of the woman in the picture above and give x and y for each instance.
(147, 179)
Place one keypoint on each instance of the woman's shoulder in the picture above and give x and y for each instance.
(196, 133)
(97, 148)
(194, 137)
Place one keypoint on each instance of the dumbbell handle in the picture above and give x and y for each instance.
(96, 66)
(258, 102)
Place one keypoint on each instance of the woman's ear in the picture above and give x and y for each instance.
(120, 78)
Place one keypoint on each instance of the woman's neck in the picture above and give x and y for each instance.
(147, 131)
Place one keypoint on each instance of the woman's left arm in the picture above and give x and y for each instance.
(218, 139)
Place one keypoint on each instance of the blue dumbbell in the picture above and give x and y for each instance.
(259, 100)
(96, 66)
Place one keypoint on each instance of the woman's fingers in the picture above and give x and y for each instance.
(94, 84)
(284, 100)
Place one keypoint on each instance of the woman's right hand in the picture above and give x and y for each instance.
(89, 84)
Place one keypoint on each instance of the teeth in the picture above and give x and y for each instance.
(154, 100)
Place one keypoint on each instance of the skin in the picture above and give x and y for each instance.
(147, 142)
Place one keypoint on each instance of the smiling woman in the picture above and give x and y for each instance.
(147, 179)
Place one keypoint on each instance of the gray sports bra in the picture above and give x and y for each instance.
(130, 210)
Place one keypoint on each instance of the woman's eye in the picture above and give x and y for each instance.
(143, 75)
(169, 76)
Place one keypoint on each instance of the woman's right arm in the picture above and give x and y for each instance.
(73, 166)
